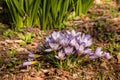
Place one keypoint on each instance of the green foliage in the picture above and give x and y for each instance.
(27, 38)
(23, 12)
(31, 8)
(9, 33)
(45, 13)
(93, 16)
(52, 13)
(114, 48)
(104, 34)
(1, 62)
(108, 36)
(114, 12)
(82, 6)
(12, 53)
(12, 61)
(73, 61)
(17, 12)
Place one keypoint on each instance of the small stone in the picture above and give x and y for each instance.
(75, 76)
(17, 41)
(3, 43)
(9, 41)
(44, 70)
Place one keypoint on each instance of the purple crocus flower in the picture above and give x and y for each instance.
(71, 42)
(80, 48)
(88, 51)
(73, 33)
(86, 39)
(30, 56)
(56, 35)
(74, 42)
(68, 32)
(69, 50)
(29, 63)
(93, 57)
(53, 47)
(64, 41)
(81, 38)
(87, 36)
(97, 54)
(48, 40)
(87, 42)
(61, 55)
(107, 55)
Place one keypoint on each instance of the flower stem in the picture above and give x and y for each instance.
(61, 64)
(55, 51)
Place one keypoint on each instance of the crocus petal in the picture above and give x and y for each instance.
(85, 39)
(68, 32)
(40, 47)
(54, 46)
(82, 37)
(98, 49)
(87, 36)
(30, 59)
(64, 42)
(68, 50)
(60, 55)
(48, 50)
(56, 35)
(99, 52)
(80, 49)
(78, 34)
(87, 51)
(48, 40)
(73, 32)
(91, 53)
(73, 42)
(31, 55)
(56, 56)
(29, 63)
(93, 57)
(89, 43)
(107, 55)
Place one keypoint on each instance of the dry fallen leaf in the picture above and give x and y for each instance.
(22, 50)
(118, 57)
(104, 65)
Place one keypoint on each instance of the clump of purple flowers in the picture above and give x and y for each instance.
(70, 43)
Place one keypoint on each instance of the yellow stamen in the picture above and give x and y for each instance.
(36, 56)
(34, 62)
